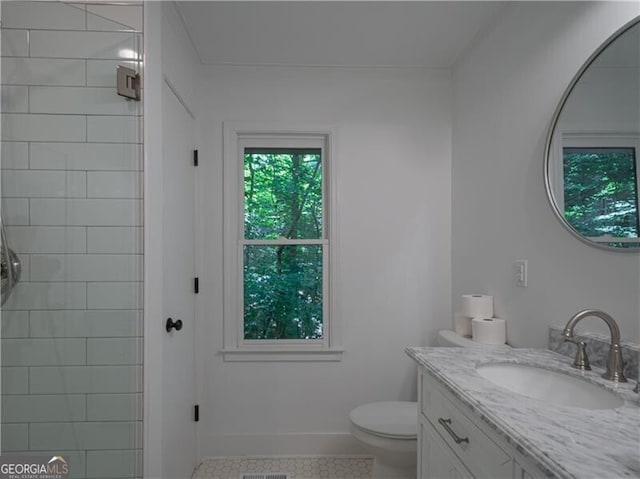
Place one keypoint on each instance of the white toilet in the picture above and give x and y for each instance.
(389, 430)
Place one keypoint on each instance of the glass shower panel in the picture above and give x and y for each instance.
(71, 201)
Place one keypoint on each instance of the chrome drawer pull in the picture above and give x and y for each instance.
(446, 424)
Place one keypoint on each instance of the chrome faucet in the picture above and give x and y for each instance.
(614, 362)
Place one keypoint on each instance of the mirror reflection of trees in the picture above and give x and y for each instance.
(283, 282)
(601, 191)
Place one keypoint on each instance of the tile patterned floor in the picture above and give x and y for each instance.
(296, 467)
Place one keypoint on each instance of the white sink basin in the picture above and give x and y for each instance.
(549, 386)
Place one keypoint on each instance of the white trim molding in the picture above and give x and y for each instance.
(153, 243)
(320, 443)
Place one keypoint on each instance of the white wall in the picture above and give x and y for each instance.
(504, 95)
(393, 161)
(180, 62)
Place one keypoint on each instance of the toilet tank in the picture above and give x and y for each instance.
(449, 338)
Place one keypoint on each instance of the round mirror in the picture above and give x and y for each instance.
(593, 147)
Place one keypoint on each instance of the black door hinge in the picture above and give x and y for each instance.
(195, 157)
(196, 413)
(196, 285)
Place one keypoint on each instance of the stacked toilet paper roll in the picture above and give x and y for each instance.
(477, 305)
(489, 330)
(472, 306)
(476, 320)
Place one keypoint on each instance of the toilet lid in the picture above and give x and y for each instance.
(395, 419)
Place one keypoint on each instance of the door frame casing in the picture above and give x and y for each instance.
(153, 242)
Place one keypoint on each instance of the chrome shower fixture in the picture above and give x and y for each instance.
(10, 268)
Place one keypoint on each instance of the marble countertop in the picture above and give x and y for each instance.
(564, 441)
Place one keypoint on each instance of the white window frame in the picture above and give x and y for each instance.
(237, 136)
(586, 139)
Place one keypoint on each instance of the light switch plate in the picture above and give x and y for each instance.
(520, 272)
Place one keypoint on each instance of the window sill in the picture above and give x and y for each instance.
(292, 355)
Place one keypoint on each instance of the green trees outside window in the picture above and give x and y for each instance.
(283, 251)
(601, 191)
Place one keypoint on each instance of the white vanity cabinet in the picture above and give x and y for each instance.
(453, 444)
(435, 458)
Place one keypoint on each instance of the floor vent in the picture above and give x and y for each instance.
(264, 476)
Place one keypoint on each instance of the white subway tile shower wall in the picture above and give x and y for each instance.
(72, 204)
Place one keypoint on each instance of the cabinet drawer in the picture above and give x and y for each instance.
(438, 461)
(476, 450)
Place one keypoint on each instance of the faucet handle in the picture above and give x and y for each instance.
(581, 360)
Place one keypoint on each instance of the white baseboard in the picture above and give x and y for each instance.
(279, 444)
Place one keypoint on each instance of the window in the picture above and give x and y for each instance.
(600, 193)
(278, 264)
(283, 244)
